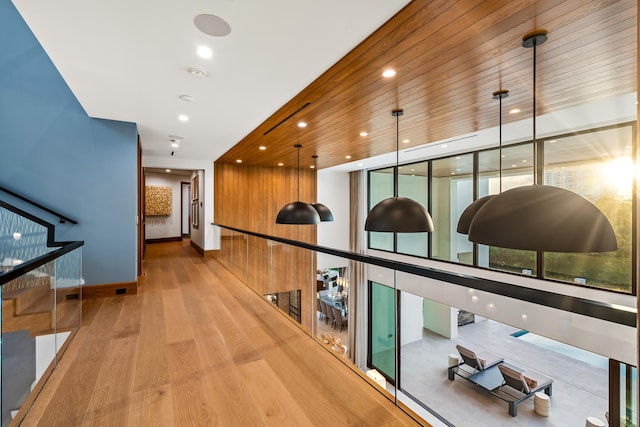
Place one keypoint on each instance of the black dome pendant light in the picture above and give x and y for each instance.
(323, 211)
(398, 214)
(541, 217)
(298, 213)
(470, 212)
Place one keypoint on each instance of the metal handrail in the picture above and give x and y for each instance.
(62, 218)
(596, 309)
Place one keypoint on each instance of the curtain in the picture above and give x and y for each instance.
(357, 278)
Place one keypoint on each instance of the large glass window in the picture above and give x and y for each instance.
(597, 165)
(413, 183)
(517, 170)
(382, 336)
(452, 180)
(380, 187)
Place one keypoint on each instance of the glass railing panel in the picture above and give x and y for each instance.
(239, 255)
(20, 239)
(28, 321)
(547, 348)
(402, 331)
(40, 311)
(333, 284)
(68, 282)
(226, 244)
(291, 282)
(258, 264)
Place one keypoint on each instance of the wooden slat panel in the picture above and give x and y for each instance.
(450, 56)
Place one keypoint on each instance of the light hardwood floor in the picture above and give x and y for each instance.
(196, 347)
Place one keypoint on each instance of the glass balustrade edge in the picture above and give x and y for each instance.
(30, 265)
(596, 309)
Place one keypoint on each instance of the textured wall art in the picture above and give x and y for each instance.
(157, 200)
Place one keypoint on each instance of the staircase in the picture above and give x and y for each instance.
(31, 304)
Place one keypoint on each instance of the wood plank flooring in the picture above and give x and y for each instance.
(195, 347)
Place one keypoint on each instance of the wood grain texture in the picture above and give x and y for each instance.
(237, 362)
(450, 55)
(265, 268)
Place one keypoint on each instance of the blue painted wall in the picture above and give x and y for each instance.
(53, 153)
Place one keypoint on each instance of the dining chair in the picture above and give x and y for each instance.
(339, 319)
(330, 319)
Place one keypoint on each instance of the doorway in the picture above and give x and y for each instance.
(185, 209)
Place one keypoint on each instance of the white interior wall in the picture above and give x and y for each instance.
(161, 227)
(410, 320)
(333, 192)
(440, 318)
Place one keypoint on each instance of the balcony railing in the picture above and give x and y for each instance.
(41, 306)
(397, 324)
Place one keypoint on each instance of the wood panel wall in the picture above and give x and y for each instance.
(249, 198)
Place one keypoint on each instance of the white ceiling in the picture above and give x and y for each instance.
(128, 60)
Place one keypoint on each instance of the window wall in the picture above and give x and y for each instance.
(380, 188)
(500, 172)
(596, 164)
(452, 179)
(413, 182)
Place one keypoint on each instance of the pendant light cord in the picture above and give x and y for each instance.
(298, 172)
(315, 178)
(535, 143)
(298, 146)
(500, 149)
(396, 173)
(395, 190)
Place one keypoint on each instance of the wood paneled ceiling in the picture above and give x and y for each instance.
(450, 56)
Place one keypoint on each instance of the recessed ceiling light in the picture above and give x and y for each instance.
(388, 73)
(238, 161)
(413, 170)
(444, 146)
(183, 118)
(453, 173)
(280, 164)
(197, 73)
(457, 169)
(503, 156)
(347, 157)
(514, 111)
(204, 52)
(363, 133)
(187, 98)
(457, 157)
(360, 164)
(302, 125)
(212, 25)
(523, 161)
(406, 141)
(175, 144)
(513, 166)
(262, 147)
(551, 141)
(168, 170)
